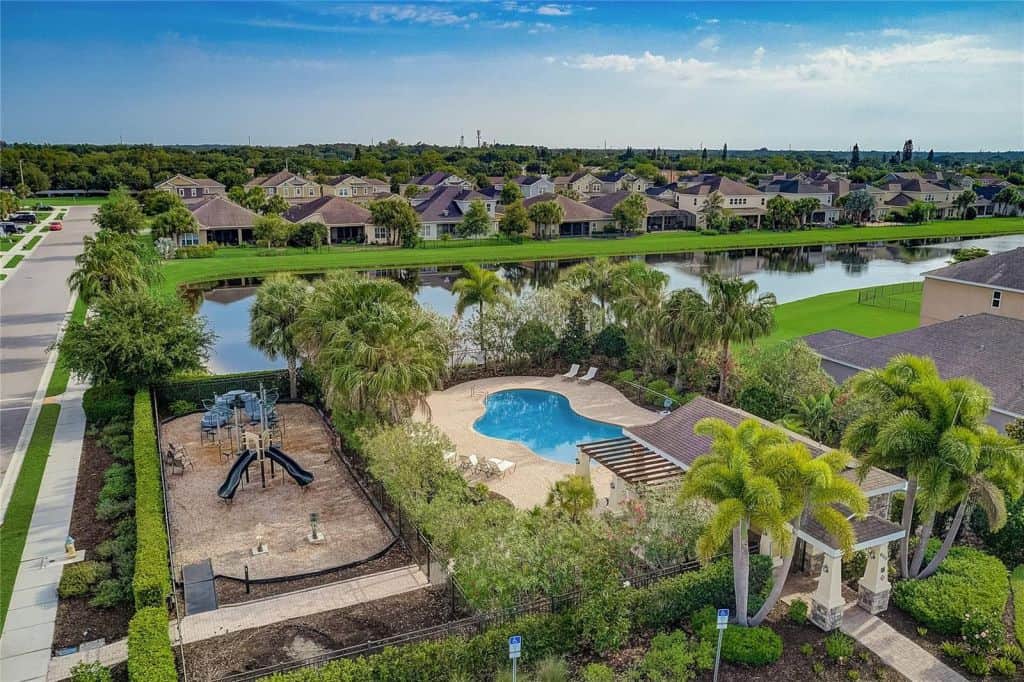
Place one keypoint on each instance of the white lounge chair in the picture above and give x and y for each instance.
(589, 376)
(472, 463)
(571, 374)
(503, 466)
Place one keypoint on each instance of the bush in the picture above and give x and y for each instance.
(602, 619)
(674, 657)
(982, 634)
(201, 251)
(151, 584)
(112, 592)
(1004, 543)
(311, 233)
(150, 658)
(967, 581)
(1013, 652)
(626, 376)
(709, 232)
(537, 340)
(838, 646)
(181, 407)
(90, 672)
(747, 645)
(597, 672)
(611, 342)
(79, 578)
(1004, 667)
(551, 669)
(798, 612)
(976, 665)
(118, 483)
(953, 649)
(106, 402)
(108, 510)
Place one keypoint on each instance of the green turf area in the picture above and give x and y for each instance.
(7, 243)
(64, 201)
(239, 262)
(840, 310)
(59, 379)
(3, 276)
(13, 262)
(23, 502)
(32, 242)
(1017, 585)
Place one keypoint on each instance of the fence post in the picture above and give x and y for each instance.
(247, 578)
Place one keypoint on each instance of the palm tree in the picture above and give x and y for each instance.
(964, 200)
(680, 328)
(639, 299)
(546, 216)
(111, 262)
(478, 287)
(934, 431)
(278, 305)
(732, 314)
(713, 209)
(573, 496)
(814, 416)
(596, 279)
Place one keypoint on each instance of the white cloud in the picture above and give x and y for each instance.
(417, 14)
(283, 24)
(541, 27)
(895, 33)
(554, 10)
(550, 60)
(712, 20)
(709, 44)
(758, 56)
(504, 24)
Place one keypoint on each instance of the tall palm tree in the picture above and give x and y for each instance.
(478, 287)
(733, 314)
(594, 278)
(713, 208)
(680, 328)
(934, 431)
(965, 200)
(278, 305)
(112, 262)
(639, 299)
(546, 216)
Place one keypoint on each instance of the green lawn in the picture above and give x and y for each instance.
(32, 242)
(63, 201)
(239, 262)
(23, 502)
(1017, 585)
(13, 262)
(59, 379)
(7, 243)
(840, 310)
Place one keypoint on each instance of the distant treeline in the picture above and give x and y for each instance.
(138, 167)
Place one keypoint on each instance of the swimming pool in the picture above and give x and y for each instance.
(542, 421)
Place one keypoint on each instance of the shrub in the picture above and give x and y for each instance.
(151, 584)
(748, 645)
(150, 658)
(611, 342)
(106, 402)
(838, 646)
(537, 340)
(709, 232)
(976, 665)
(798, 612)
(982, 633)
(109, 509)
(118, 483)
(967, 581)
(181, 407)
(552, 669)
(200, 251)
(673, 656)
(90, 672)
(1004, 543)
(1004, 667)
(603, 618)
(807, 649)
(953, 649)
(597, 672)
(624, 377)
(310, 233)
(660, 386)
(111, 592)
(79, 578)
(1013, 652)
(853, 674)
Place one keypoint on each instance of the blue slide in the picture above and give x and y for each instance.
(301, 476)
(230, 486)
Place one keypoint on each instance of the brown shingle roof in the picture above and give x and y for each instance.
(276, 179)
(1001, 270)
(721, 184)
(608, 202)
(575, 211)
(440, 204)
(220, 211)
(333, 210)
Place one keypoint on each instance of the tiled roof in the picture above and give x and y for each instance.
(574, 211)
(333, 210)
(276, 180)
(865, 530)
(984, 347)
(900, 199)
(220, 211)
(794, 187)
(723, 185)
(1001, 270)
(435, 178)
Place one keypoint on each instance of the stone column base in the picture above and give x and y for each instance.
(828, 619)
(873, 602)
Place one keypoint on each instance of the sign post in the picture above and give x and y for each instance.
(515, 646)
(723, 622)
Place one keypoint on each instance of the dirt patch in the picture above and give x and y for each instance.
(78, 622)
(309, 636)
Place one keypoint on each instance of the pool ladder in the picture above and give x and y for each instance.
(474, 392)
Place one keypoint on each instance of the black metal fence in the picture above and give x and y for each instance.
(893, 296)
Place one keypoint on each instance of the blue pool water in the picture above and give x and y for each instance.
(542, 421)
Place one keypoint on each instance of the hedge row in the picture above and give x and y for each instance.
(668, 603)
(152, 582)
(150, 658)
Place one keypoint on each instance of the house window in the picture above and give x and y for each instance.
(310, 190)
(997, 298)
(195, 192)
(190, 239)
(380, 233)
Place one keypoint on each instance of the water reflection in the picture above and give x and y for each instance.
(790, 273)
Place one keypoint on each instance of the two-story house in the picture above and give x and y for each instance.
(191, 188)
(584, 183)
(290, 186)
(617, 180)
(350, 186)
(529, 185)
(738, 198)
(901, 192)
(796, 189)
(431, 181)
(443, 209)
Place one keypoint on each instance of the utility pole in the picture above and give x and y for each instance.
(21, 170)
(478, 138)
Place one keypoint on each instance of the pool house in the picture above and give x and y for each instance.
(659, 453)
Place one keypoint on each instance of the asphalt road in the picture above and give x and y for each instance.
(33, 301)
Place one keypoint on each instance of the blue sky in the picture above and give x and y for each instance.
(805, 75)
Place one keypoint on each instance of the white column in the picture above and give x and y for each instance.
(582, 464)
(767, 548)
(827, 602)
(617, 495)
(874, 588)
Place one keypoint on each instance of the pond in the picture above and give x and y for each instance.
(792, 274)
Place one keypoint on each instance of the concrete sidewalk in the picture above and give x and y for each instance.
(28, 632)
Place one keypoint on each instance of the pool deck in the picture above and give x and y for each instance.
(454, 410)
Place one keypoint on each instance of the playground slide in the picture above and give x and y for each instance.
(230, 486)
(301, 476)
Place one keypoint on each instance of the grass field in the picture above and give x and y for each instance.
(59, 379)
(840, 310)
(63, 201)
(1017, 585)
(15, 259)
(7, 243)
(32, 242)
(239, 262)
(23, 501)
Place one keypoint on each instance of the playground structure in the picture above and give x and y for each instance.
(259, 448)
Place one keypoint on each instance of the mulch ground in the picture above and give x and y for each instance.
(78, 622)
(309, 636)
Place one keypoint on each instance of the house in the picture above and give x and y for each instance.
(221, 221)
(796, 189)
(431, 181)
(443, 209)
(287, 185)
(345, 220)
(654, 454)
(349, 186)
(190, 188)
(984, 347)
(661, 216)
(900, 192)
(578, 219)
(529, 185)
(992, 284)
(738, 198)
(584, 183)
(616, 180)
(988, 205)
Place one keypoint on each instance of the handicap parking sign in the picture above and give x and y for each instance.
(515, 645)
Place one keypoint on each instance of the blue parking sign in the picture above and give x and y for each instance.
(515, 645)
(723, 618)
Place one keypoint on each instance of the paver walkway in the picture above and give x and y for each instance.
(28, 632)
(260, 613)
(897, 651)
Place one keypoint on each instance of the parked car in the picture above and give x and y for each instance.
(42, 207)
(11, 228)
(24, 217)
(56, 226)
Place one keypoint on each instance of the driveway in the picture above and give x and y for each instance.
(33, 301)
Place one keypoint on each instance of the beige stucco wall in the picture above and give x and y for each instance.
(943, 300)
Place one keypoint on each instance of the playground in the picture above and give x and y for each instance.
(246, 511)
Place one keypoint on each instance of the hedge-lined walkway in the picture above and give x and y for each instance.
(28, 630)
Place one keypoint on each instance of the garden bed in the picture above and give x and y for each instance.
(77, 621)
(309, 636)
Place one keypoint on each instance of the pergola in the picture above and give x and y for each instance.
(630, 462)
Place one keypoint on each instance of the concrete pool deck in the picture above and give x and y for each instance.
(455, 409)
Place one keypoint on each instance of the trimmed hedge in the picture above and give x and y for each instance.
(967, 582)
(105, 402)
(151, 584)
(150, 658)
(746, 645)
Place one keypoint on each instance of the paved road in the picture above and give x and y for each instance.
(33, 301)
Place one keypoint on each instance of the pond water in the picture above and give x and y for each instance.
(792, 274)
